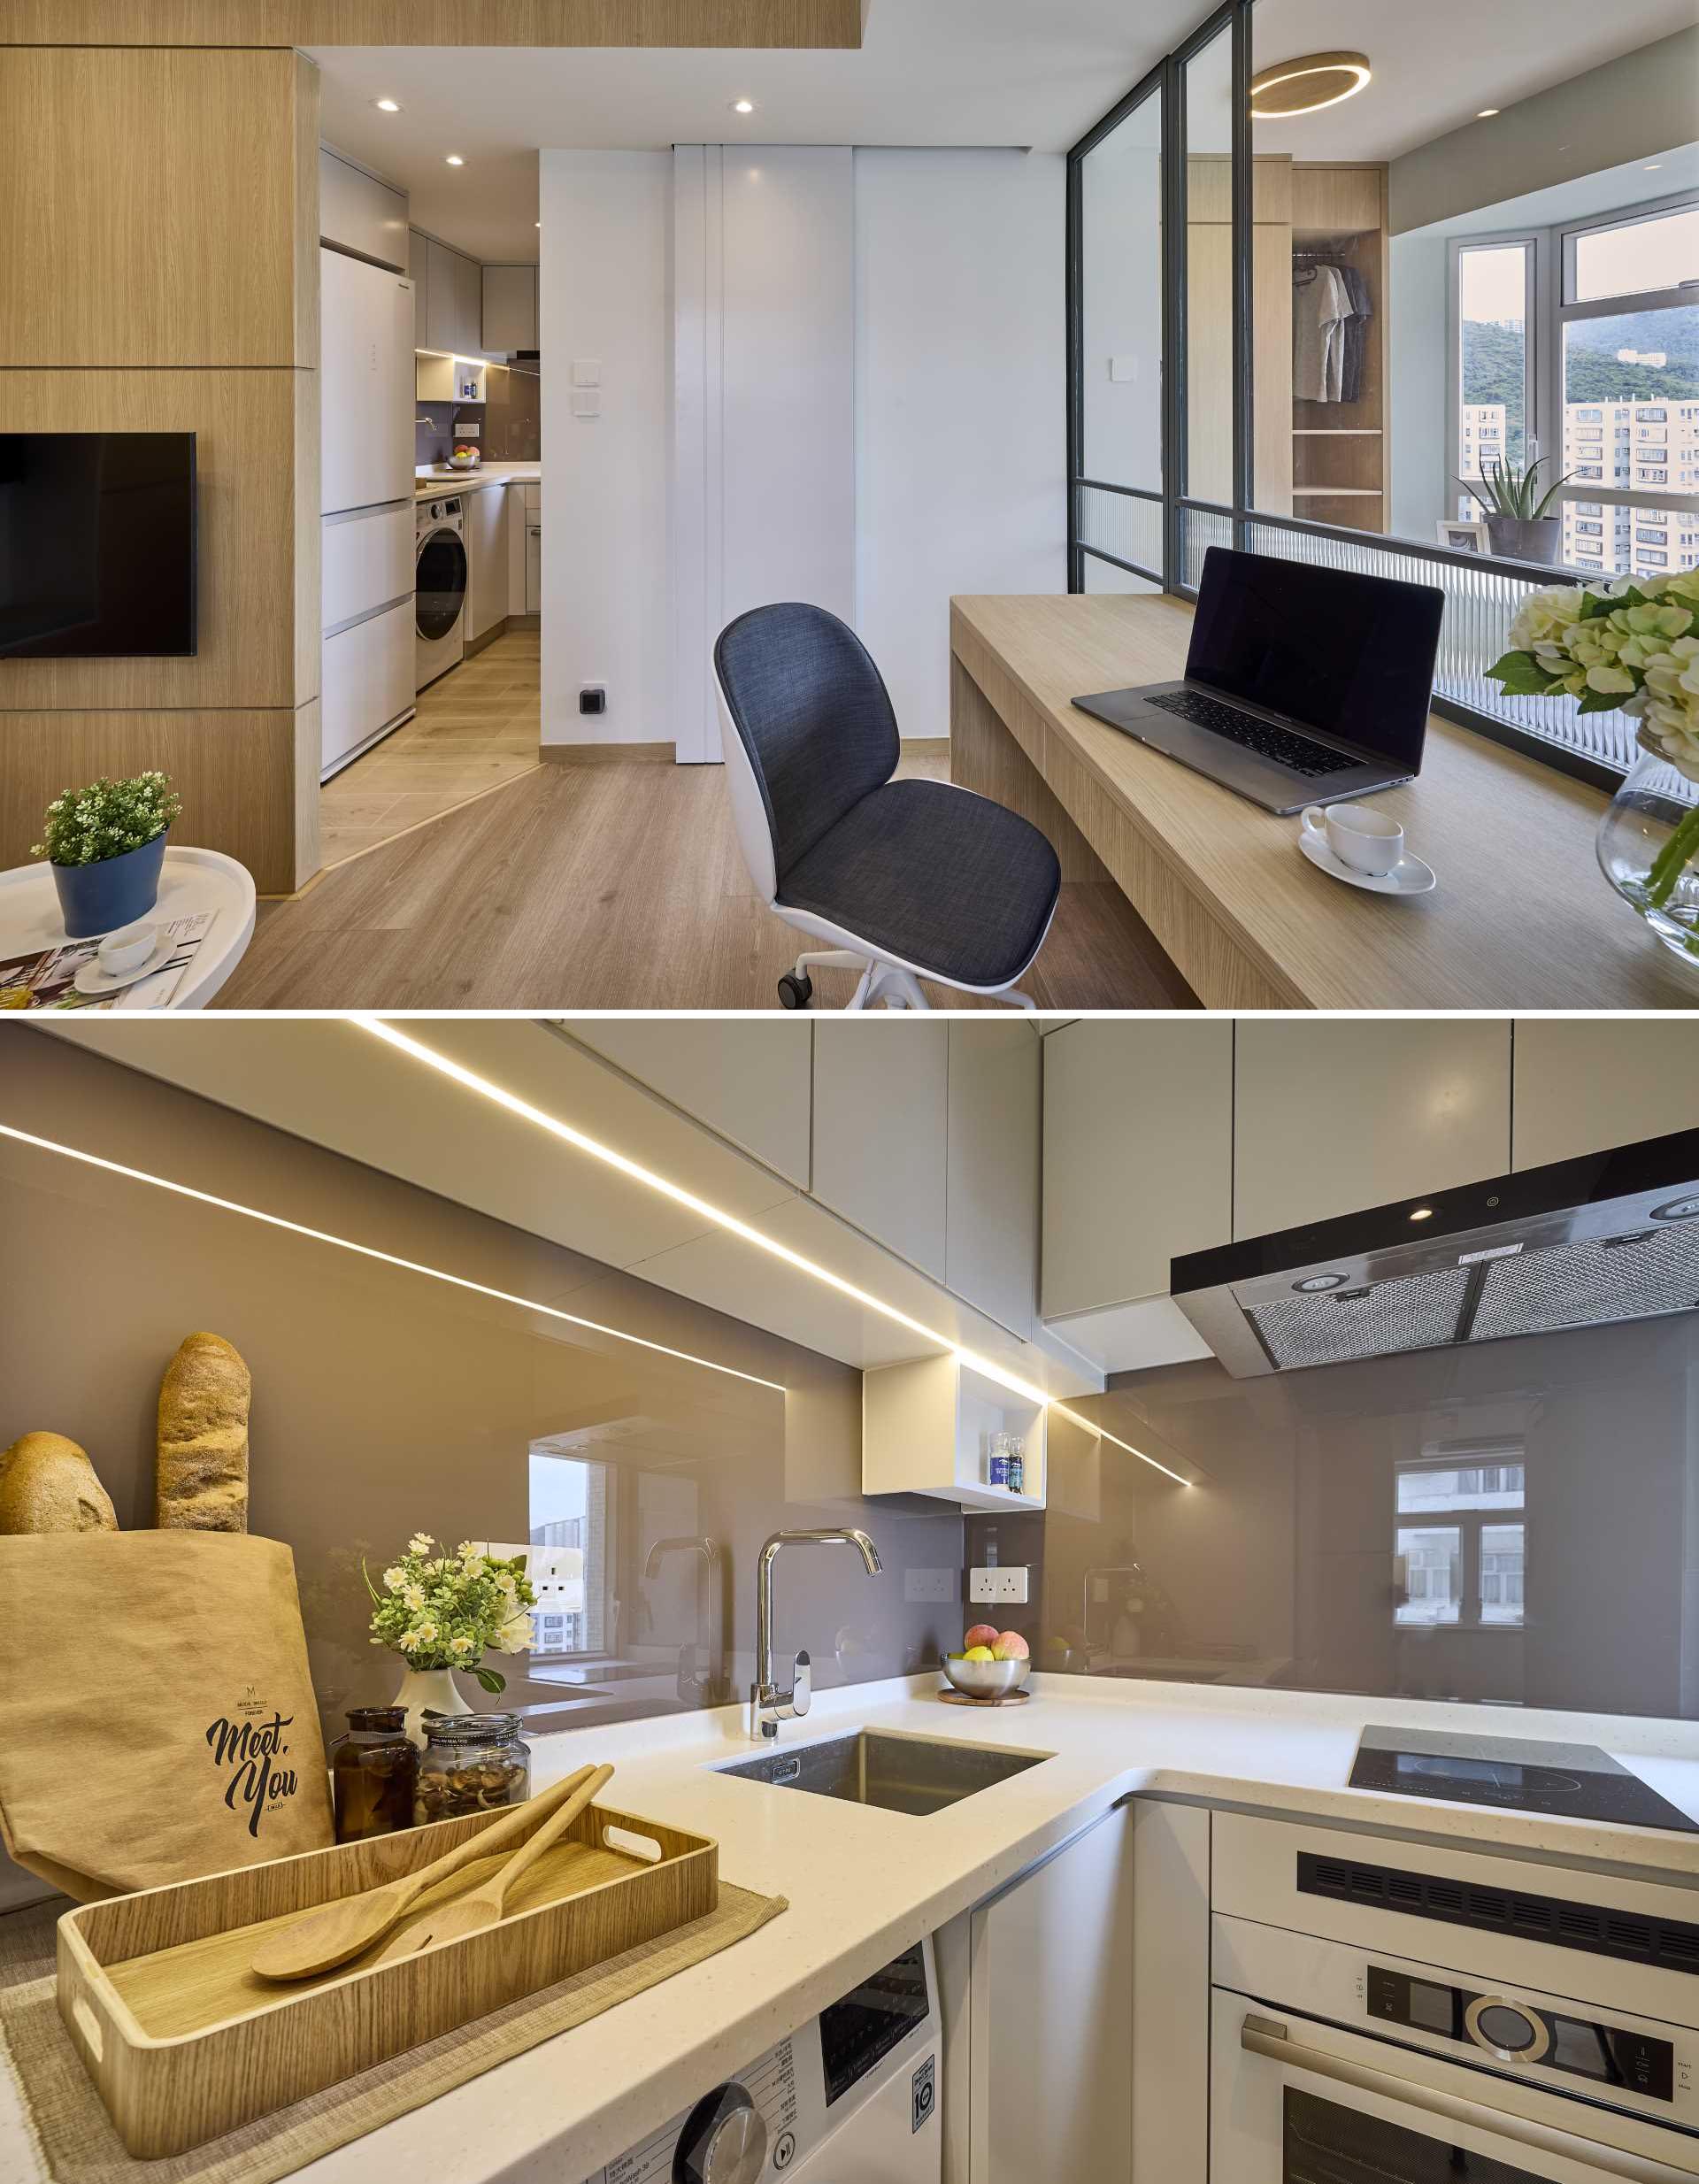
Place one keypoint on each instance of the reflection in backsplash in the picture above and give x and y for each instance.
(1515, 1523)
(385, 1402)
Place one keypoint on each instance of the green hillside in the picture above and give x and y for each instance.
(1493, 361)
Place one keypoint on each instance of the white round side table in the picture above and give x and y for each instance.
(190, 880)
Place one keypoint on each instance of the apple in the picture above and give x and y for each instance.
(1010, 1646)
(978, 1653)
(981, 1634)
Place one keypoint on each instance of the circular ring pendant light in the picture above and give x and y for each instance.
(1305, 85)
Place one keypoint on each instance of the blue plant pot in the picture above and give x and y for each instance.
(99, 898)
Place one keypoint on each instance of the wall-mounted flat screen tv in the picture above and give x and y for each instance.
(96, 545)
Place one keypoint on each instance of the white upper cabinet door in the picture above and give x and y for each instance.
(1333, 1115)
(468, 306)
(749, 1080)
(439, 303)
(1582, 1083)
(1138, 1156)
(991, 1206)
(358, 212)
(881, 1103)
(509, 309)
(419, 268)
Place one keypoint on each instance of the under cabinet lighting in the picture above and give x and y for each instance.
(370, 1251)
(486, 1088)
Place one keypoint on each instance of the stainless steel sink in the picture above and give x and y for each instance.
(897, 1773)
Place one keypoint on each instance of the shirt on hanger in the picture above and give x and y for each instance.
(1320, 306)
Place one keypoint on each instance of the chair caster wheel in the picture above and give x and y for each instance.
(794, 992)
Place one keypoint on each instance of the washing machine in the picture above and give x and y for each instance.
(852, 2098)
(439, 589)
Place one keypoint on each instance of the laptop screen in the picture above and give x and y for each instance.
(1350, 654)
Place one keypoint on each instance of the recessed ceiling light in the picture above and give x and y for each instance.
(1423, 1213)
(742, 105)
(387, 105)
(1486, 113)
(1307, 84)
(1652, 165)
(454, 160)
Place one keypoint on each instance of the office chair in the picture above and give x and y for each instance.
(906, 879)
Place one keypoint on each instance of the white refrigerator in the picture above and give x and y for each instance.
(365, 391)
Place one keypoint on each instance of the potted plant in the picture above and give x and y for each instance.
(1630, 644)
(106, 845)
(1517, 526)
(442, 1611)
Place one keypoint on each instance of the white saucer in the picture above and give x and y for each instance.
(1408, 876)
(92, 980)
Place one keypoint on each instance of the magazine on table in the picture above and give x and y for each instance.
(46, 977)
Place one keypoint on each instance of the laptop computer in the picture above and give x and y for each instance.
(1303, 685)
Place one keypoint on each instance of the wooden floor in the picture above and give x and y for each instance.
(582, 886)
(475, 730)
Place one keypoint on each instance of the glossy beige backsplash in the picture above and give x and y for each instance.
(385, 1402)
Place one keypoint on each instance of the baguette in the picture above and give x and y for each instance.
(201, 1475)
(47, 1484)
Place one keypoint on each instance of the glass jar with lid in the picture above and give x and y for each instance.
(473, 1762)
(373, 1773)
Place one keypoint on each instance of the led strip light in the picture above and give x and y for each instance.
(486, 1088)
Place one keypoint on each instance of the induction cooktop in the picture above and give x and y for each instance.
(1576, 1781)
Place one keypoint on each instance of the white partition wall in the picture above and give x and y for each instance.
(763, 508)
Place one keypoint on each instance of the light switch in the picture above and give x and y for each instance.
(587, 403)
(1123, 369)
(586, 372)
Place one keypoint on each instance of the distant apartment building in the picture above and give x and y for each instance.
(1637, 446)
(1483, 437)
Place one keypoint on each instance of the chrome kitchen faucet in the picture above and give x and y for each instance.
(768, 1706)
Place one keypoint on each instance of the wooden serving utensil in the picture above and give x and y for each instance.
(331, 1935)
(482, 1907)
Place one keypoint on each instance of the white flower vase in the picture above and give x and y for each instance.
(429, 1691)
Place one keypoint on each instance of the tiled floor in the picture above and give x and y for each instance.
(477, 730)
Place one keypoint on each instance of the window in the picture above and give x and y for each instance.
(1652, 560)
(1630, 256)
(1460, 1541)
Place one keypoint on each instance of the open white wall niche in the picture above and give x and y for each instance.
(927, 1428)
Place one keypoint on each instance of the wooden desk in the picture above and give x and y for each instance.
(1522, 917)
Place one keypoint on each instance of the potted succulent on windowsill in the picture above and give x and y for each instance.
(1517, 526)
(106, 845)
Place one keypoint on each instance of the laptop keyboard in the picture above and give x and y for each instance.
(1287, 750)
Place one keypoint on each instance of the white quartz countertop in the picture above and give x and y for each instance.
(863, 1884)
(430, 485)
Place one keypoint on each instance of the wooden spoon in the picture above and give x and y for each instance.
(331, 1935)
(482, 1906)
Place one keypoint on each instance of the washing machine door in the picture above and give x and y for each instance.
(440, 582)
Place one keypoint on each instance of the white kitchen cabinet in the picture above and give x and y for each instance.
(419, 271)
(992, 1176)
(1170, 2046)
(926, 1427)
(484, 523)
(881, 1120)
(1138, 1156)
(751, 1082)
(1334, 1115)
(509, 309)
(439, 322)
(468, 306)
(359, 213)
(1050, 2018)
(1582, 1083)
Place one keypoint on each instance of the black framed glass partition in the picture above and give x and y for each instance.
(1390, 274)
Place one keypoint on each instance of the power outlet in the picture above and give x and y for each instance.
(1004, 1586)
(930, 1585)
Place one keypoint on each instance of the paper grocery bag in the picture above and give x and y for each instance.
(157, 1718)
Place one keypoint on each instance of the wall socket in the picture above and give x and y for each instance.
(1006, 1585)
(930, 1585)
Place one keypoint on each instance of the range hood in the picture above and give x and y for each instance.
(1609, 1237)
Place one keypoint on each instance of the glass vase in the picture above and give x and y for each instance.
(1649, 850)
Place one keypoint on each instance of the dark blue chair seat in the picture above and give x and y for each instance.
(948, 880)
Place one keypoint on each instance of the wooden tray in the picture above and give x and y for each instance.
(184, 2042)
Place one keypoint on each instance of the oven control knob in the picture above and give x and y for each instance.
(724, 2141)
(1506, 2029)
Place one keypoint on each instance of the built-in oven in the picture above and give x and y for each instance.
(1337, 2059)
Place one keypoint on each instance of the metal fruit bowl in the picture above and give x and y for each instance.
(986, 1679)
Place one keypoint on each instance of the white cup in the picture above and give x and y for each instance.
(127, 948)
(1367, 840)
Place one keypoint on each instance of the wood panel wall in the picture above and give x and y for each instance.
(746, 23)
(161, 273)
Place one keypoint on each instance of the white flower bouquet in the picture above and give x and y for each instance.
(442, 1611)
(1630, 644)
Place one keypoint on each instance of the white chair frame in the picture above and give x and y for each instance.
(886, 980)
